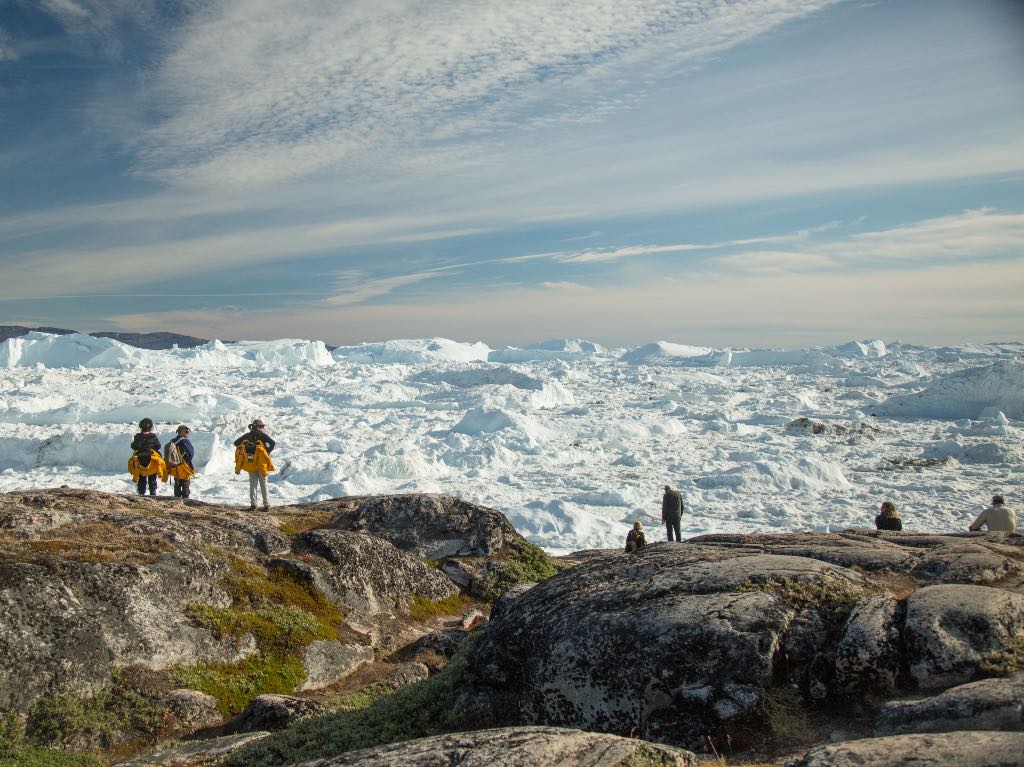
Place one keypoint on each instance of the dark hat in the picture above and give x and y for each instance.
(258, 422)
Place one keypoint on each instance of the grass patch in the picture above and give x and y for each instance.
(833, 601)
(15, 751)
(283, 614)
(118, 720)
(418, 711)
(423, 609)
(235, 684)
(97, 542)
(1005, 662)
(363, 697)
(787, 719)
(296, 522)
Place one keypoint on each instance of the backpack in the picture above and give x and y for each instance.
(172, 455)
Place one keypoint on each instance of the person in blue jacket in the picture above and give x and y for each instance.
(142, 444)
(182, 486)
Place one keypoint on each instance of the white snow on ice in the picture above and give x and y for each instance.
(571, 440)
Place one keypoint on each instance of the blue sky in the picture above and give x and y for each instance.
(767, 173)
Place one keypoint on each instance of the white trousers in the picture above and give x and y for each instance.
(256, 478)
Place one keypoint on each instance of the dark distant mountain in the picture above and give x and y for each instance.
(159, 340)
(13, 331)
(140, 340)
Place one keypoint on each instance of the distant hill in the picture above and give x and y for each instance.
(141, 340)
(160, 340)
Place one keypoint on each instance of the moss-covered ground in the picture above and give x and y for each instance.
(525, 563)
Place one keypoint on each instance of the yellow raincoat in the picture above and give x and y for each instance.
(156, 466)
(182, 471)
(258, 461)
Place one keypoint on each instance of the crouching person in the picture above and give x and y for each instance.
(252, 453)
(179, 455)
(635, 539)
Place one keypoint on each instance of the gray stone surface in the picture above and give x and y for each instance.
(950, 628)
(516, 747)
(988, 704)
(431, 526)
(195, 754)
(370, 574)
(192, 709)
(659, 644)
(327, 662)
(868, 655)
(952, 749)
(272, 712)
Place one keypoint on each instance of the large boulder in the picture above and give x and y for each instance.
(272, 712)
(516, 746)
(664, 644)
(431, 526)
(197, 753)
(951, 749)
(868, 656)
(988, 704)
(371, 575)
(950, 629)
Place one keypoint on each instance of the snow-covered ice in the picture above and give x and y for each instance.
(572, 440)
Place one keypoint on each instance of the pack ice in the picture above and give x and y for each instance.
(570, 439)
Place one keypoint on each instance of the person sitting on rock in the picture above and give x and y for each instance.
(998, 517)
(635, 539)
(888, 518)
(142, 445)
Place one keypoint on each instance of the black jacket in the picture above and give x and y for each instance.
(671, 506)
(885, 522)
(143, 443)
(257, 436)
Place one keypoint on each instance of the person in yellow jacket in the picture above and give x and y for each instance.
(146, 465)
(252, 453)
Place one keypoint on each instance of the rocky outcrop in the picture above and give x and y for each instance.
(952, 749)
(989, 704)
(92, 582)
(369, 574)
(272, 712)
(679, 642)
(515, 746)
(431, 526)
(949, 629)
(201, 752)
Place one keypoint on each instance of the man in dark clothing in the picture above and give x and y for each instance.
(182, 487)
(142, 444)
(672, 511)
(254, 435)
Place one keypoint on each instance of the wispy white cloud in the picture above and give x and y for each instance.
(253, 95)
(8, 51)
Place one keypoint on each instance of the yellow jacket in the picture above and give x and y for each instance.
(156, 466)
(182, 471)
(259, 461)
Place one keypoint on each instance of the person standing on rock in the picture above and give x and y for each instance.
(184, 472)
(635, 539)
(253, 455)
(145, 446)
(888, 518)
(672, 511)
(999, 517)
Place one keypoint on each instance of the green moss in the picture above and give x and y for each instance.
(1005, 662)
(525, 563)
(362, 698)
(113, 716)
(293, 523)
(25, 755)
(235, 684)
(250, 586)
(278, 629)
(833, 601)
(417, 711)
(422, 608)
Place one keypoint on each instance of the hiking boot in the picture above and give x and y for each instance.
(252, 507)
(266, 507)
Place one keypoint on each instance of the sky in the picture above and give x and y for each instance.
(780, 173)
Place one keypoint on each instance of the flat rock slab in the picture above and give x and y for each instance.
(949, 629)
(949, 749)
(990, 704)
(272, 712)
(327, 662)
(195, 754)
(516, 747)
